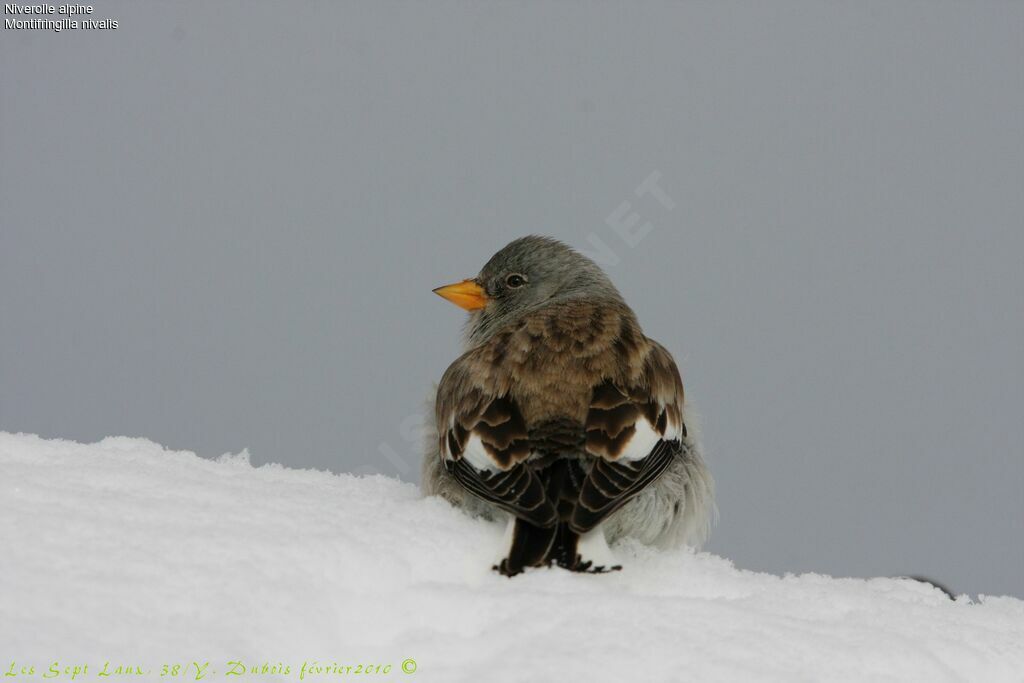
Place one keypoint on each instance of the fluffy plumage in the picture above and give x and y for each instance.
(564, 415)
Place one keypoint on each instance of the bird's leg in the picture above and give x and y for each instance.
(501, 564)
(528, 546)
(593, 554)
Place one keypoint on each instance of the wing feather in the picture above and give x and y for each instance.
(485, 444)
(633, 432)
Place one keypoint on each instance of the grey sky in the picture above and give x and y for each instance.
(221, 224)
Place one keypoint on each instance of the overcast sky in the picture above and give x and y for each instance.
(221, 223)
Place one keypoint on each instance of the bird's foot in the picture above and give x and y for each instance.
(593, 555)
(589, 567)
(506, 569)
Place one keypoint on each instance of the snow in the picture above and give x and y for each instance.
(126, 552)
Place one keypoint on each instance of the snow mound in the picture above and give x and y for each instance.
(126, 552)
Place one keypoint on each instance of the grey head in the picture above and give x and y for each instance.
(524, 276)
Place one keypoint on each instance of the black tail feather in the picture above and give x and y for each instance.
(531, 545)
(534, 546)
(564, 550)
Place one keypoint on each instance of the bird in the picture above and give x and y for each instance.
(561, 416)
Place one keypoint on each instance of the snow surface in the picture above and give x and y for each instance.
(127, 552)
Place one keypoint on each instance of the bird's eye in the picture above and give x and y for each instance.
(515, 280)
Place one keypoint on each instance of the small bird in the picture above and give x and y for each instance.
(563, 416)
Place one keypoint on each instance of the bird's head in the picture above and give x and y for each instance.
(527, 274)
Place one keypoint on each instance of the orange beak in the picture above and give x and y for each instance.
(466, 294)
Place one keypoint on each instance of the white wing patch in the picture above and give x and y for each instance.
(646, 437)
(673, 430)
(475, 454)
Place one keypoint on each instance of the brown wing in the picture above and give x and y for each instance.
(633, 431)
(484, 443)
